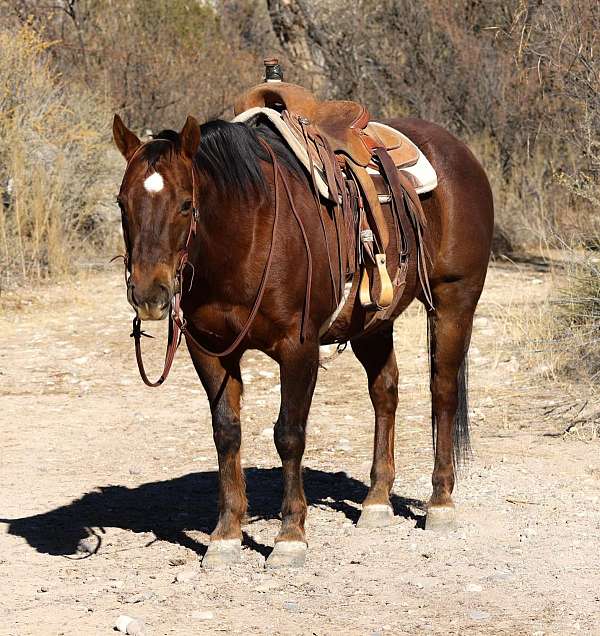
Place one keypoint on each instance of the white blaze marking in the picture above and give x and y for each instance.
(154, 183)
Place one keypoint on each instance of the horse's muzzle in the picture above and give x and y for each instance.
(150, 304)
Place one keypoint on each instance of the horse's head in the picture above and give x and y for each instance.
(156, 201)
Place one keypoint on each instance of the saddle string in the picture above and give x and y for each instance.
(303, 125)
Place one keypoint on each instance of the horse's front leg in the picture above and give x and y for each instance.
(222, 381)
(298, 371)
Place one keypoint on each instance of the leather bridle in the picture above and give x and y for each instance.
(177, 322)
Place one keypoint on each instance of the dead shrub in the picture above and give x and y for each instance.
(57, 172)
(577, 317)
(156, 62)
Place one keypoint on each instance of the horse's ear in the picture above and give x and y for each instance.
(190, 137)
(126, 141)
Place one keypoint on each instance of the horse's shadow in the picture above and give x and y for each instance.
(170, 508)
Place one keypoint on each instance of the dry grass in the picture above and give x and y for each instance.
(57, 170)
(557, 338)
(577, 316)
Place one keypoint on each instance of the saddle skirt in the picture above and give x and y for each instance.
(407, 157)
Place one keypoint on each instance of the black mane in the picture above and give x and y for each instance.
(229, 154)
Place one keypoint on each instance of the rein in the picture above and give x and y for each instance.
(177, 322)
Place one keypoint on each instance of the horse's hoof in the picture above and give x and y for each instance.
(221, 553)
(440, 517)
(376, 516)
(287, 554)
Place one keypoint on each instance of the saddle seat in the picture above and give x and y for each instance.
(342, 123)
(406, 155)
(345, 124)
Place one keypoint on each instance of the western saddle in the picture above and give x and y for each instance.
(345, 124)
(347, 149)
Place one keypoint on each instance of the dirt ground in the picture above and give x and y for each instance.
(108, 488)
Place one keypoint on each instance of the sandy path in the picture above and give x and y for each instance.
(87, 450)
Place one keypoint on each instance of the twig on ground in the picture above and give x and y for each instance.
(523, 501)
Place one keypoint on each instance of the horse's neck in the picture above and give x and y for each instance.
(228, 236)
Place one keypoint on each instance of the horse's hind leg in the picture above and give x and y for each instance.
(449, 335)
(376, 353)
(298, 371)
(222, 381)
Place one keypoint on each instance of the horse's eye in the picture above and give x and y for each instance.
(186, 206)
(121, 206)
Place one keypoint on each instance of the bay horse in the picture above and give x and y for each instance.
(226, 179)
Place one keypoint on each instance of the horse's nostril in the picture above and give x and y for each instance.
(132, 295)
(165, 294)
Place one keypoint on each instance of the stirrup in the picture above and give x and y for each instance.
(386, 292)
(386, 289)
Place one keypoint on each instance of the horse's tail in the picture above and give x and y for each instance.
(461, 451)
(462, 438)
